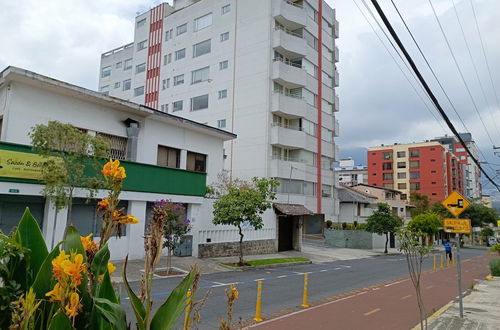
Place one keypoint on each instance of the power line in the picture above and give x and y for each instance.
(428, 90)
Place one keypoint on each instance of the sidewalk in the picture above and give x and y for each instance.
(481, 310)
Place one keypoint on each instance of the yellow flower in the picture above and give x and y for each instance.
(235, 292)
(57, 264)
(124, 219)
(114, 170)
(88, 244)
(103, 204)
(111, 268)
(73, 306)
(74, 269)
(56, 293)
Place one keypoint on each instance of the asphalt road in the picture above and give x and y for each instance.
(282, 287)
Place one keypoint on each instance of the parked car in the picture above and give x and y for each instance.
(492, 241)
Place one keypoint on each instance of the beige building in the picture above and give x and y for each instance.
(487, 201)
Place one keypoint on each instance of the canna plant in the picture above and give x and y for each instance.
(70, 287)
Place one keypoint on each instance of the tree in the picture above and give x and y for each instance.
(486, 232)
(382, 221)
(421, 203)
(67, 150)
(480, 215)
(426, 223)
(245, 203)
(440, 210)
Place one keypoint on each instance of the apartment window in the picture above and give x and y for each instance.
(401, 164)
(117, 84)
(310, 68)
(127, 64)
(402, 175)
(180, 54)
(386, 166)
(433, 172)
(387, 155)
(401, 154)
(168, 157)
(414, 175)
(223, 94)
(223, 65)
(459, 149)
(310, 11)
(432, 149)
(138, 91)
(127, 84)
(164, 107)
(200, 75)
(387, 176)
(181, 29)
(199, 102)
(311, 40)
(326, 190)
(434, 194)
(202, 22)
(401, 185)
(403, 197)
(202, 48)
(414, 186)
(177, 106)
(414, 164)
(142, 45)
(179, 80)
(374, 163)
(196, 162)
(118, 65)
(165, 83)
(118, 145)
(142, 22)
(309, 97)
(326, 79)
(140, 68)
(433, 182)
(106, 71)
(225, 9)
(389, 185)
(433, 160)
(224, 36)
(414, 153)
(105, 90)
(169, 35)
(221, 123)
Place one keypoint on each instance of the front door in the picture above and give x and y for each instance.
(285, 234)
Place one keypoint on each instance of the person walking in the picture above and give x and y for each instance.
(447, 249)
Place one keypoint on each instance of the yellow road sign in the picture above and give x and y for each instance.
(460, 226)
(456, 203)
(498, 223)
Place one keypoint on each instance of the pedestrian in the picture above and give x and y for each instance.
(447, 249)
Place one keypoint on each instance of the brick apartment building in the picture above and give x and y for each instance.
(427, 168)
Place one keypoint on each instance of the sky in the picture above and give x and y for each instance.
(64, 39)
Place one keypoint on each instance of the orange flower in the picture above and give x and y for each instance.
(124, 219)
(103, 204)
(56, 293)
(112, 169)
(88, 244)
(73, 306)
(57, 268)
(74, 269)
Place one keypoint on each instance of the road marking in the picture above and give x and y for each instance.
(395, 283)
(359, 294)
(376, 289)
(324, 270)
(372, 312)
(406, 297)
(281, 276)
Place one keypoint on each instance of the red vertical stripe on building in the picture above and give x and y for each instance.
(154, 56)
(319, 194)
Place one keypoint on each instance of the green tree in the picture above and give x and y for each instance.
(382, 221)
(245, 203)
(67, 150)
(440, 210)
(486, 232)
(426, 223)
(421, 203)
(480, 215)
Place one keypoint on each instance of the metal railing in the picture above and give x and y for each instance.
(288, 62)
(284, 29)
(291, 3)
(117, 50)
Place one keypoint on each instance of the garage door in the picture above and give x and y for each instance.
(12, 209)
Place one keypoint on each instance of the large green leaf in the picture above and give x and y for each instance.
(168, 313)
(72, 242)
(112, 315)
(31, 237)
(100, 262)
(105, 289)
(43, 280)
(60, 322)
(137, 306)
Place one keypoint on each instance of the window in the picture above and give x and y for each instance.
(138, 91)
(118, 65)
(311, 40)
(117, 84)
(387, 155)
(164, 107)
(224, 36)
(414, 186)
(223, 65)
(200, 75)
(168, 157)
(127, 64)
(433, 172)
(401, 185)
(433, 182)
(310, 11)
(403, 197)
(326, 190)
(202, 48)
(401, 154)
(459, 149)
(202, 22)
(105, 90)
(142, 22)
(106, 71)
(142, 45)
(310, 68)
(414, 153)
(169, 35)
(196, 162)
(414, 175)
(126, 84)
(199, 102)
(118, 145)
(177, 105)
(326, 79)
(432, 149)
(389, 185)
(387, 176)
(223, 94)
(386, 166)
(180, 54)
(140, 68)
(221, 123)
(327, 53)
(225, 9)
(414, 164)
(181, 29)
(433, 160)
(434, 194)
(402, 175)
(167, 59)
(309, 97)
(179, 80)
(165, 83)
(401, 164)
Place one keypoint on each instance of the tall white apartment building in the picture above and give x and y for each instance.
(262, 69)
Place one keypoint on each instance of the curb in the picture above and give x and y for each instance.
(284, 264)
(435, 315)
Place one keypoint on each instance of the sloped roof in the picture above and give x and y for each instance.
(347, 195)
(292, 209)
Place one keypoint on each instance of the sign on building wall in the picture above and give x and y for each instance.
(20, 165)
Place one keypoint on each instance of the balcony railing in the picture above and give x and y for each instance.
(282, 28)
(288, 94)
(288, 62)
(294, 4)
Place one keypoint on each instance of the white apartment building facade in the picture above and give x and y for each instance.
(264, 70)
(349, 174)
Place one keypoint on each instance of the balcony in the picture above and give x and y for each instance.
(289, 43)
(292, 137)
(336, 29)
(336, 103)
(286, 168)
(336, 128)
(289, 14)
(336, 78)
(288, 74)
(336, 153)
(288, 106)
(336, 54)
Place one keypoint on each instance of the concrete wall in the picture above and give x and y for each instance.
(229, 249)
(352, 239)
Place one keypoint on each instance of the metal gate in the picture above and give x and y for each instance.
(185, 249)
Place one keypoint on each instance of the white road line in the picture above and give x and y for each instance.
(324, 270)
(259, 279)
(281, 276)
(361, 293)
(219, 283)
(337, 268)
(395, 283)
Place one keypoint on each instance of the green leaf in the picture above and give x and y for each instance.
(72, 242)
(105, 289)
(137, 306)
(31, 237)
(168, 313)
(100, 262)
(43, 280)
(59, 322)
(113, 313)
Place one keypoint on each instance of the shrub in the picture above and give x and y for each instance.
(344, 225)
(495, 248)
(355, 224)
(495, 267)
(329, 224)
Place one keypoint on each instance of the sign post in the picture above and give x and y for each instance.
(456, 204)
